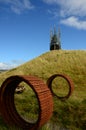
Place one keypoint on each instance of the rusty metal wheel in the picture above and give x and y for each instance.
(70, 85)
(8, 109)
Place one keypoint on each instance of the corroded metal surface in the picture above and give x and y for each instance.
(8, 109)
(69, 81)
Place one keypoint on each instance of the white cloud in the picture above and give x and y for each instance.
(73, 7)
(53, 12)
(18, 6)
(74, 22)
(12, 64)
(70, 12)
(5, 66)
(70, 7)
(50, 1)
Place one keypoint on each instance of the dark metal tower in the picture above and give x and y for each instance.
(55, 43)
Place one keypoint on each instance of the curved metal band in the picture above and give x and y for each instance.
(8, 110)
(69, 81)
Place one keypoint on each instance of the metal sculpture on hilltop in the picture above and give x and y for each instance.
(55, 43)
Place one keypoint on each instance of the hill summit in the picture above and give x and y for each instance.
(70, 114)
(69, 62)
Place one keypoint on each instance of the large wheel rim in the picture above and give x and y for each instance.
(8, 110)
(69, 81)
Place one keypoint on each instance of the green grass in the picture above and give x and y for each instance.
(70, 114)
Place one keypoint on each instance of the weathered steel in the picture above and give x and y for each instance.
(69, 81)
(8, 109)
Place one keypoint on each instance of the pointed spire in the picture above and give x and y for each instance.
(59, 36)
(51, 34)
(55, 43)
(54, 30)
(59, 33)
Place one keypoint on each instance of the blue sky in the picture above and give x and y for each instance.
(25, 28)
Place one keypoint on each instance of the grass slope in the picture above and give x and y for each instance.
(71, 113)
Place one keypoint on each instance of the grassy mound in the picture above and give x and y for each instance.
(70, 114)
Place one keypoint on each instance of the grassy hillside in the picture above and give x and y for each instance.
(71, 113)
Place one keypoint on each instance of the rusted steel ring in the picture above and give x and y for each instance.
(8, 110)
(69, 81)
